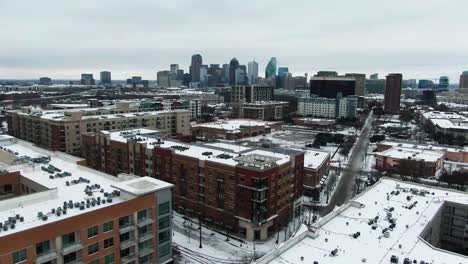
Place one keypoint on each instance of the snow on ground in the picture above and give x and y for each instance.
(215, 247)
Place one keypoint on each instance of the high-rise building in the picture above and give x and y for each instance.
(374, 76)
(360, 82)
(195, 67)
(45, 81)
(226, 73)
(464, 80)
(87, 79)
(443, 82)
(233, 66)
(393, 93)
(64, 212)
(270, 70)
(174, 68)
(425, 84)
(252, 72)
(164, 78)
(411, 83)
(136, 79)
(326, 74)
(329, 87)
(282, 70)
(203, 75)
(105, 77)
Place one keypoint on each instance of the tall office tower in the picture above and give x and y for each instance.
(45, 81)
(329, 87)
(87, 79)
(105, 77)
(393, 93)
(443, 82)
(203, 75)
(174, 68)
(215, 75)
(163, 78)
(326, 74)
(411, 83)
(226, 73)
(180, 75)
(233, 66)
(374, 76)
(270, 70)
(425, 84)
(360, 82)
(464, 80)
(252, 72)
(136, 79)
(195, 67)
(282, 70)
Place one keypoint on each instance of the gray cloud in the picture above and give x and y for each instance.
(61, 39)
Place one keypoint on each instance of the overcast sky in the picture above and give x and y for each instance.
(61, 38)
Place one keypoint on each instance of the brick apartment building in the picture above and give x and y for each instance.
(53, 210)
(316, 167)
(233, 129)
(265, 110)
(60, 130)
(251, 192)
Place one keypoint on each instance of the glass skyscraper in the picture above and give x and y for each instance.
(270, 70)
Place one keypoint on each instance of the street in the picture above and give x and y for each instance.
(345, 188)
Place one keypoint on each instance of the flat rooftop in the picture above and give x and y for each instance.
(235, 124)
(447, 120)
(418, 146)
(412, 206)
(71, 185)
(411, 153)
(214, 152)
(313, 159)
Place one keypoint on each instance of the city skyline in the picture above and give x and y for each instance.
(141, 39)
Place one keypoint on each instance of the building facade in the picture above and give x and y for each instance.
(195, 67)
(360, 82)
(252, 72)
(327, 107)
(265, 110)
(60, 130)
(392, 93)
(115, 220)
(245, 191)
(105, 77)
(329, 87)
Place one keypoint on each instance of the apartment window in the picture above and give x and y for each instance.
(70, 257)
(42, 248)
(144, 230)
(124, 221)
(96, 261)
(163, 222)
(93, 248)
(20, 256)
(109, 259)
(142, 215)
(108, 226)
(92, 231)
(164, 250)
(164, 236)
(68, 239)
(108, 242)
(163, 208)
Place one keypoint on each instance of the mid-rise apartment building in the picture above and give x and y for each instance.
(327, 107)
(53, 210)
(246, 191)
(265, 110)
(60, 130)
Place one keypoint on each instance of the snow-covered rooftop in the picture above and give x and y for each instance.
(411, 153)
(447, 120)
(421, 147)
(313, 159)
(412, 207)
(234, 124)
(53, 191)
(214, 152)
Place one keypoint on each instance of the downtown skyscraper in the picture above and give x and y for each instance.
(252, 72)
(195, 67)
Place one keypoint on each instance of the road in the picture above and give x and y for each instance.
(345, 188)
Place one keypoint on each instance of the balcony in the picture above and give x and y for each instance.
(51, 255)
(127, 227)
(127, 243)
(71, 247)
(129, 258)
(144, 221)
(145, 251)
(146, 236)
